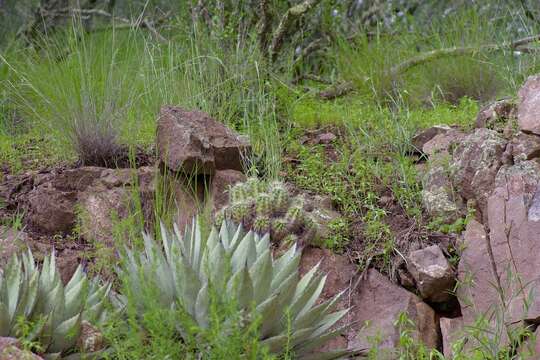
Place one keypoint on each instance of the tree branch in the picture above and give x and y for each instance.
(285, 25)
(458, 51)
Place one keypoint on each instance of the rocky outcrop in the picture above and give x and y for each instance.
(439, 198)
(10, 349)
(496, 115)
(433, 274)
(193, 143)
(380, 303)
(476, 161)
(529, 106)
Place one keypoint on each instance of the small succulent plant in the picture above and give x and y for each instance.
(241, 267)
(269, 208)
(56, 311)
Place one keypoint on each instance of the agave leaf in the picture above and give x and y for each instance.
(189, 287)
(261, 273)
(328, 321)
(268, 310)
(236, 239)
(74, 297)
(285, 258)
(66, 334)
(217, 266)
(13, 286)
(76, 278)
(5, 320)
(315, 342)
(276, 344)
(304, 301)
(240, 287)
(197, 246)
(245, 253)
(285, 293)
(263, 243)
(311, 317)
(201, 307)
(288, 268)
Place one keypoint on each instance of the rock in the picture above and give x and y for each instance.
(524, 147)
(51, 211)
(10, 349)
(91, 339)
(11, 242)
(451, 331)
(221, 182)
(509, 252)
(529, 106)
(442, 143)
(432, 273)
(99, 209)
(67, 262)
(422, 137)
(194, 143)
(514, 223)
(380, 304)
(189, 198)
(495, 116)
(340, 273)
(325, 138)
(476, 161)
(438, 195)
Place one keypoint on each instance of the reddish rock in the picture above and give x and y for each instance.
(221, 182)
(476, 161)
(529, 106)
(379, 305)
(67, 262)
(423, 136)
(194, 143)
(451, 331)
(51, 211)
(506, 260)
(91, 339)
(10, 349)
(442, 143)
(496, 115)
(99, 208)
(432, 273)
(524, 147)
(189, 199)
(325, 138)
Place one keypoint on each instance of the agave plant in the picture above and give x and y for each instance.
(54, 310)
(269, 208)
(241, 267)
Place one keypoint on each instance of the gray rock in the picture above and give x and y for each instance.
(432, 273)
(476, 161)
(423, 136)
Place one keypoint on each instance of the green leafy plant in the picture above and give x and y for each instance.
(55, 311)
(269, 209)
(232, 265)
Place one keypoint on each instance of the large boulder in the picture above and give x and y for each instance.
(425, 135)
(194, 143)
(380, 303)
(476, 161)
(505, 261)
(432, 273)
(529, 106)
